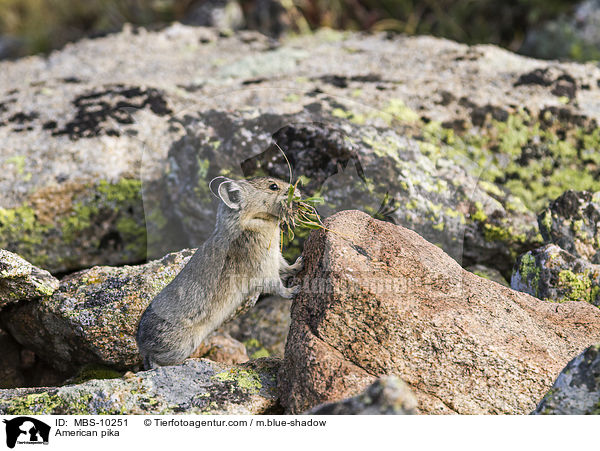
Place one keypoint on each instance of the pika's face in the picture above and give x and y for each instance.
(263, 202)
(260, 201)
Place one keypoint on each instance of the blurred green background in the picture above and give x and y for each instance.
(529, 26)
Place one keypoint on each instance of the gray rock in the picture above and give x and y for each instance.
(573, 223)
(195, 387)
(350, 166)
(553, 274)
(388, 395)
(576, 390)
(92, 318)
(453, 134)
(20, 280)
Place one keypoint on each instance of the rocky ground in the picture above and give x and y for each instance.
(490, 159)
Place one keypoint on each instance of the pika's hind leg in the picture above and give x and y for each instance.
(149, 363)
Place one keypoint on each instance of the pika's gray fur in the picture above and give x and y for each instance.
(239, 261)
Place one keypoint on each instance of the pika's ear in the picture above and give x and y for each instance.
(230, 193)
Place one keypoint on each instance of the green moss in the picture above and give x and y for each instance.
(595, 295)
(124, 191)
(530, 272)
(22, 230)
(23, 233)
(546, 223)
(577, 228)
(133, 233)
(400, 112)
(18, 161)
(255, 349)
(79, 220)
(204, 163)
(493, 232)
(578, 286)
(479, 214)
(37, 403)
(491, 189)
(357, 118)
(118, 197)
(90, 372)
(248, 380)
(565, 157)
(411, 204)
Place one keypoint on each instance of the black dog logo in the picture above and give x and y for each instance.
(26, 430)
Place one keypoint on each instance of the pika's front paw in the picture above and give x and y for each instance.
(297, 266)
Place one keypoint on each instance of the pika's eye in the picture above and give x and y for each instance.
(274, 187)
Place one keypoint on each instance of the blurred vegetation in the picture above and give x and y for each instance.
(38, 26)
(469, 21)
(43, 25)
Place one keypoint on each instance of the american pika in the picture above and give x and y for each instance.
(239, 261)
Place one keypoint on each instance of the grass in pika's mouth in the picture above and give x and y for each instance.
(300, 212)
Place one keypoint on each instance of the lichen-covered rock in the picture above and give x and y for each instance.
(388, 395)
(576, 390)
(500, 133)
(553, 274)
(379, 299)
(20, 280)
(92, 318)
(351, 165)
(573, 223)
(196, 387)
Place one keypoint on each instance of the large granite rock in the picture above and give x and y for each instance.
(196, 387)
(164, 111)
(576, 390)
(553, 274)
(378, 299)
(20, 280)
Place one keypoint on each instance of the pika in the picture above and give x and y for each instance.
(239, 261)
